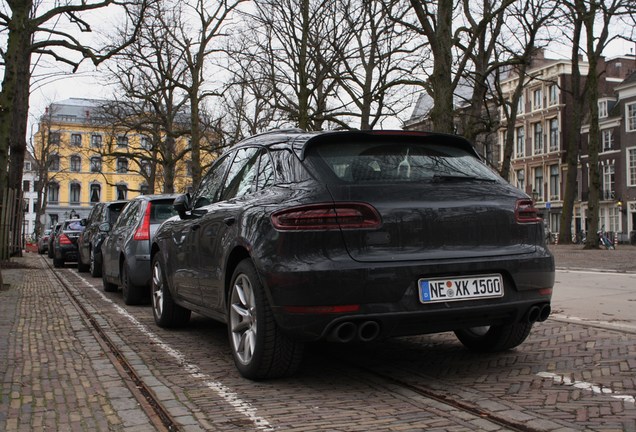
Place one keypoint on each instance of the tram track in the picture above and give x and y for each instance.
(152, 406)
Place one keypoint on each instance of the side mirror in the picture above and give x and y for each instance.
(104, 227)
(182, 205)
(83, 222)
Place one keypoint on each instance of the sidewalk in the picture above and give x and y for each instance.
(55, 375)
(621, 259)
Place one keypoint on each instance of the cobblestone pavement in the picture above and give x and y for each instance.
(57, 375)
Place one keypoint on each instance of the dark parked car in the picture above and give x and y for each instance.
(90, 241)
(56, 228)
(352, 236)
(65, 243)
(126, 249)
(43, 242)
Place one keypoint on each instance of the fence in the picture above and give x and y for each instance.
(11, 217)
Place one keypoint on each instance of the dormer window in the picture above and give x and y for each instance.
(602, 109)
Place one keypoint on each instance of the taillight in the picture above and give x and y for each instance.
(143, 231)
(64, 240)
(526, 212)
(327, 216)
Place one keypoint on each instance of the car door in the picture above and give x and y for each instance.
(217, 229)
(112, 244)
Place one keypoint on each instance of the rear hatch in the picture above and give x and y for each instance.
(435, 198)
(72, 230)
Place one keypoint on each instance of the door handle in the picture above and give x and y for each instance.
(229, 220)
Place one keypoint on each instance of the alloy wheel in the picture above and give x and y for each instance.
(243, 319)
(157, 289)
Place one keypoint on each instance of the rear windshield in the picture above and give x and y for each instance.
(367, 162)
(160, 211)
(75, 225)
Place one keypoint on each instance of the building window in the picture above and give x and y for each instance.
(76, 140)
(631, 166)
(146, 168)
(630, 121)
(26, 186)
(607, 138)
(54, 162)
(96, 193)
(76, 193)
(96, 164)
(146, 143)
(76, 163)
(54, 138)
(521, 105)
(553, 94)
(614, 219)
(608, 181)
(538, 183)
(554, 182)
(53, 193)
(602, 109)
(122, 165)
(521, 179)
(521, 142)
(122, 192)
(96, 140)
(537, 99)
(143, 189)
(554, 135)
(27, 166)
(122, 141)
(538, 138)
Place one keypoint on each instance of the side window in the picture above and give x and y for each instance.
(265, 171)
(288, 168)
(128, 215)
(210, 188)
(240, 178)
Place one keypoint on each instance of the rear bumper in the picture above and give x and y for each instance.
(388, 296)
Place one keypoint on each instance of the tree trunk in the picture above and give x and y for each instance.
(441, 80)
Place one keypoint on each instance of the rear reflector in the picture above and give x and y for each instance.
(327, 216)
(526, 212)
(322, 309)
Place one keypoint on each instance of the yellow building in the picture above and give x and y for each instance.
(91, 161)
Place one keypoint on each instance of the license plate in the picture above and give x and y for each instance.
(460, 288)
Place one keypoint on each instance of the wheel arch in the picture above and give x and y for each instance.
(238, 254)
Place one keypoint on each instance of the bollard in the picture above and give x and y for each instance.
(615, 240)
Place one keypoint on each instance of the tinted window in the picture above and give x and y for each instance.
(362, 162)
(128, 215)
(210, 188)
(114, 212)
(265, 171)
(287, 167)
(75, 225)
(240, 178)
(160, 211)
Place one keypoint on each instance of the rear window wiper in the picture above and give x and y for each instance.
(459, 178)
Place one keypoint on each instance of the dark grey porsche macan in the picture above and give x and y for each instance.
(352, 236)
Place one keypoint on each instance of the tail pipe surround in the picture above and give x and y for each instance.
(538, 313)
(349, 331)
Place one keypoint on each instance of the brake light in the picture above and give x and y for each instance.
(327, 216)
(64, 240)
(526, 212)
(143, 231)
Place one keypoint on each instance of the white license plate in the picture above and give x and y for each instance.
(460, 288)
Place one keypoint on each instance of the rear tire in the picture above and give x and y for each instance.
(94, 267)
(166, 312)
(81, 267)
(132, 294)
(494, 338)
(260, 349)
(58, 262)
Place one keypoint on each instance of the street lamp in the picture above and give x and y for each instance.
(535, 195)
(73, 214)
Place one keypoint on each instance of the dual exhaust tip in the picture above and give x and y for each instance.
(350, 331)
(538, 313)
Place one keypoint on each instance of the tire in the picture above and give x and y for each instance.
(259, 347)
(94, 266)
(166, 312)
(108, 286)
(81, 267)
(49, 253)
(132, 294)
(58, 262)
(494, 338)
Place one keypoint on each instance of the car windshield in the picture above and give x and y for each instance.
(362, 162)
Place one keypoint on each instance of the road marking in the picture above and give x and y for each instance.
(241, 406)
(561, 379)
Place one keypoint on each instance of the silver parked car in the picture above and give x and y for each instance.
(126, 249)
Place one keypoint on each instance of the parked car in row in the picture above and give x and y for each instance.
(91, 239)
(43, 242)
(56, 228)
(65, 243)
(351, 236)
(126, 248)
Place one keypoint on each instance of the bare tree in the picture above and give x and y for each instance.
(590, 24)
(40, 28)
